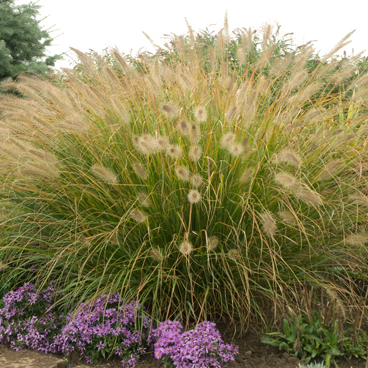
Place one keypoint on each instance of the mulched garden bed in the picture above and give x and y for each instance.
(252, 354)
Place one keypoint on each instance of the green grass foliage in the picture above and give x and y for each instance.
(202, 193)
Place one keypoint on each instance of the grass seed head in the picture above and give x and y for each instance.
(104, 174)
(288, 157)
(247, 174)
(194, 196)
(182, 173)
(186, 248)
(196, 180)
(357, 239)
(195, 153)
(287, 217)
(138, 216)
(268, 223)
(194, 133)
(234, 254)
(183, 127)
(170, 110)
(174, 151)
(212, 243)
(236, 150)
(140, 171)
(359, 199)
(200, 114)
(288, 181)
(143, 199)
(228, 140)
(331, 169)
(309, 197)
(155, 253)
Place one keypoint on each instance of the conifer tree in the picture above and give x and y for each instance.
(23, 42)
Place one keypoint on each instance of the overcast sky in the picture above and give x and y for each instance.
(97, 24)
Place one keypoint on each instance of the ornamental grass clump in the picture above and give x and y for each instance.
(205, 189)
(106, 328)
(201, 346)
(27, 320)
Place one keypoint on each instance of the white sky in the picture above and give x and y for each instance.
(97, 24)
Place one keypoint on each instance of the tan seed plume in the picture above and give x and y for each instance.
(287, 217)
(195, 153)
(138, 216)
(200, 114)
(143, 199)
(331, 169)
(170, 110)
(182, 173)
(186, 248)
(174, 151)
(309, 197)
(247, 174)
(268, 223)
(196, 180)
(357, 239)
(288, 181)
(140, 171)
(212, 243)
(155, 253)
(234, 254)
(104, 174)
(227, 140)
(289, 157)
(194, 196)
(183, 127)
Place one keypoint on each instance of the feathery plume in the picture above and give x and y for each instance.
(195, 153)
(138, 216)
(174, 151)
(359, 199)
(200, 114)
(357, 239)
(170, 110)
(247, 175)
(227, 140)
(212, 243)
(140, 171)
(268, 223)
(309, 197)
(143, 199)
(162, 143)
(182, 173)
(332, 168)
(287, 217)
(236, 150)
(194, 133)
(232, 113)
(234, 254)
(344, 139)
(288, 181)
(288, 157)
(155, 253)
(194, 196)
(104, 174)
(183, 127)
(186, 248)
(146, 144)
(196, 180)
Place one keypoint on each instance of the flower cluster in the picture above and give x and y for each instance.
(25, 321)
(106, 327)
(201, 347)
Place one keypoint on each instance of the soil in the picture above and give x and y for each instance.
(252, 354)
